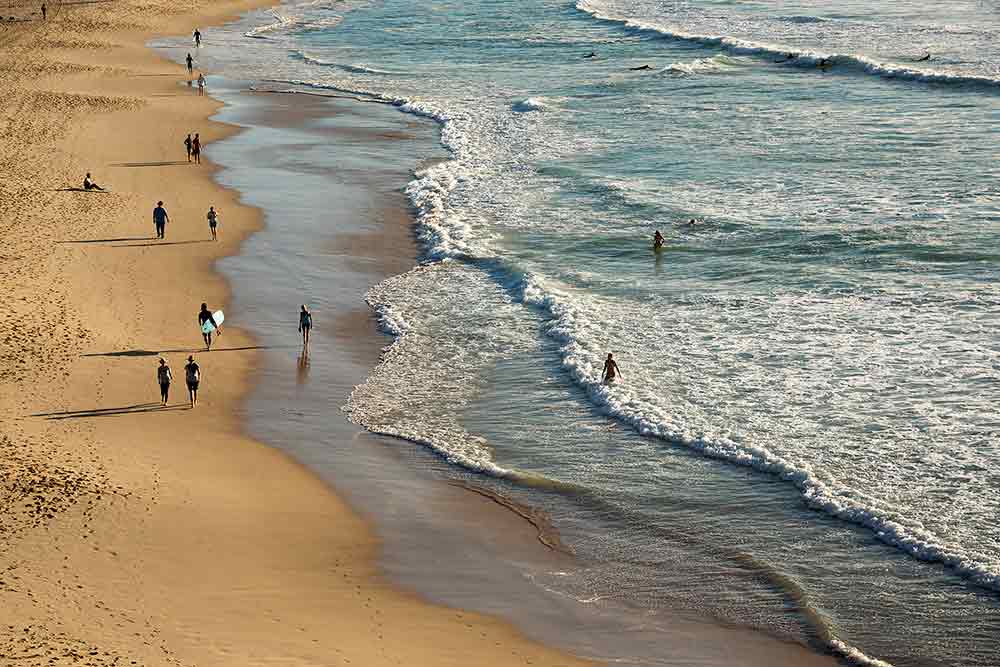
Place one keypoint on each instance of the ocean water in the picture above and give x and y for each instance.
(805, 440)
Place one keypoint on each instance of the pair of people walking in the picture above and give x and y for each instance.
(192, 377)
(161, 218)
(193, 147)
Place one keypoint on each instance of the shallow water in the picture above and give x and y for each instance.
(805, 438)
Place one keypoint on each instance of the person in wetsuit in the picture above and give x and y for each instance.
(657, 240)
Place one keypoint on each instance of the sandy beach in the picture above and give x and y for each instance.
(131, 533)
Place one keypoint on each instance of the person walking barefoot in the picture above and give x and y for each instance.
(196, 148)
(188, 144)
(160, 219)
(305, 324)
(611, 371)
(163, 378)
(192, 374)
(213, 221)
(205, 315)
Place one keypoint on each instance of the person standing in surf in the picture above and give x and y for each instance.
(611, 370)
(163, 378)
(305, 324)
(205, 315)
(192, 375)
(160, 219)
(197, 37)
(190, 63)
(213, 221)
(657, 240)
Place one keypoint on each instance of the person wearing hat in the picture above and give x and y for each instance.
(192, 374)
(160, 219)
(163, 378)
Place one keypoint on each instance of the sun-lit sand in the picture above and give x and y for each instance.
(131, 534)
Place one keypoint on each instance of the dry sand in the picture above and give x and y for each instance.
(131, 534)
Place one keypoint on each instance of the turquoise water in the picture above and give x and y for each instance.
(805, 439)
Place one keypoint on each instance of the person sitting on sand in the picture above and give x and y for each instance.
(205, 315)
(192, 374)
(305, 323)
(611, 370)
(89, 184)
(213, 221)
(163, 378)
(657, 240)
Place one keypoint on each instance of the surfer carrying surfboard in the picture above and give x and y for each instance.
(205, 315)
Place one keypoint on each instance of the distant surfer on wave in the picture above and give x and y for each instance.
(824, 63)
(640, 68)
(205, 315)
(592, 54)
(788, 57)
(924, 58)
(611, 370)
(657, 240)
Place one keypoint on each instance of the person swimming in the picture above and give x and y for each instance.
(923, 59)
(657, 240)
(592, 54)
(640, 68)
(788, 57)
(824, 63)
(611, 370)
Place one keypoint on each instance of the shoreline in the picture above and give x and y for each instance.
(146, 534)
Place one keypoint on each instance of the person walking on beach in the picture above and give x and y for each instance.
(611, 370)
(163, 378)
(44, 11)
(196, 148)
(197, 37)
(305, 324)
(192, 375)
(188, 144)
(160, 219)
(88, 183)
(201, 83)
(213, 221)
(205, 315)
(190, 63)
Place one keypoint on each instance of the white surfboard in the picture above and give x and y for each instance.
(207, 327)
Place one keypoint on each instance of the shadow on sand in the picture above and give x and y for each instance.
(124, 238)
(200, 350)
(149, 164)
(110, 412)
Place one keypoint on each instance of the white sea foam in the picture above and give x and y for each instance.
(531, 104)
(803, 57)
(281, 22)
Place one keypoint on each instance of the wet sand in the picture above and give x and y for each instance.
(132, 533)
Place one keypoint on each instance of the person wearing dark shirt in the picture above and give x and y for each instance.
(192, 376)
(160, 219)
(305, 324)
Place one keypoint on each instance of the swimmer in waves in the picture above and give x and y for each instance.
(611, 371)
(658, 240)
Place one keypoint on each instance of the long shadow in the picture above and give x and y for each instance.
(199, 350)
(109, 412)
(148, 164)
(95, 192)
(125, 238)
(145, 245)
